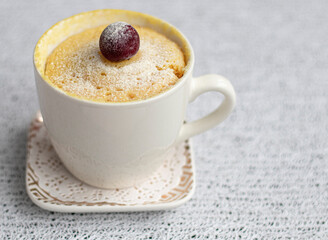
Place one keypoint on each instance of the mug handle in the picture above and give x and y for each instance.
(200, 85)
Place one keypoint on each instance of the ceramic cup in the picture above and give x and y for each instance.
(115, 145)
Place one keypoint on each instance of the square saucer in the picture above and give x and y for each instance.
(52, 187)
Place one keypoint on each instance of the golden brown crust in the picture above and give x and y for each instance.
(77, 67)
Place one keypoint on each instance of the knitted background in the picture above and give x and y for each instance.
(262, 174)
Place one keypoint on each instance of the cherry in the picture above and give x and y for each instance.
(119, 41)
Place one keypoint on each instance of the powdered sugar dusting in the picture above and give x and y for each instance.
(115, 30)
(84, 72)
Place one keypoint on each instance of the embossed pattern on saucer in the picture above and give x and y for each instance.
(52, 187)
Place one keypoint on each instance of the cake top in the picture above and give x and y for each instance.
(78, 67)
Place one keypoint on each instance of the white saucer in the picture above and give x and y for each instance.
(52, 187)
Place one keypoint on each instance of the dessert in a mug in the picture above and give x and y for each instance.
(115, 63)
(114, 95)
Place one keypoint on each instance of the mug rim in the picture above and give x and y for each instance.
(177, 85)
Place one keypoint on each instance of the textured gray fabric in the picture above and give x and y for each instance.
(262, 174)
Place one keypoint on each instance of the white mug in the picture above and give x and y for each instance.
(115, 145)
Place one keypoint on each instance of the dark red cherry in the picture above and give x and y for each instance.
(119, 41)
